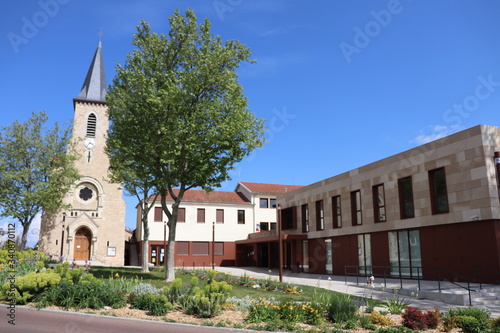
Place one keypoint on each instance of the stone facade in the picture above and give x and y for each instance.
(93, 229)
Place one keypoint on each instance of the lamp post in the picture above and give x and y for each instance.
(280, 248)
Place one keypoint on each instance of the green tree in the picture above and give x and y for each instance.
(36, 169)
(178, 111)
(137, 183)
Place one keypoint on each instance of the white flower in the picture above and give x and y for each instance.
(255, 286)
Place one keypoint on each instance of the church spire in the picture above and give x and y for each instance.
(94, 87)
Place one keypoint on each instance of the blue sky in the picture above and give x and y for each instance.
(340, 83)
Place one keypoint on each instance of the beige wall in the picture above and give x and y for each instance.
(104, 213)
(467, 157)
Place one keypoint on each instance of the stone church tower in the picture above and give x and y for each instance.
(94, 228)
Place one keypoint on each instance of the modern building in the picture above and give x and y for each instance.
(88, 231)
(208, 224)
(432, 209)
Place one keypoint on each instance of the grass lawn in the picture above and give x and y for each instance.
(157, 278)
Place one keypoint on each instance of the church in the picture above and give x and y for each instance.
(93, 229)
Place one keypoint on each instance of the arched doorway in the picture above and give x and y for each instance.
(83, 237)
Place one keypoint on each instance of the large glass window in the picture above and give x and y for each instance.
(404, 253)
(305, 218)
(406, 207)
(320, 221)
(379, 203)
(336, 212)
(365, 254)
(356, 208)
(439, 193)
(329, 260)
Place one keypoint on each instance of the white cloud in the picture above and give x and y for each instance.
(435, 132)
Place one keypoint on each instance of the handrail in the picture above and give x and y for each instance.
(480, 276)
(370, 271)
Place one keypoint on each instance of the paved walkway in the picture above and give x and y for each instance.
(337, 283)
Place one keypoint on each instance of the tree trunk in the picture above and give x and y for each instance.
(145, 255)
(24, 238)
(169, 268)
(145, 245)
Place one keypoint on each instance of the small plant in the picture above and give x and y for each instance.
(380, 319)
(396, 304)
(365, 322)
(157, 305)
(144, 288)
(349, 325)
(449, 323)
(418, 320)
(370, 304)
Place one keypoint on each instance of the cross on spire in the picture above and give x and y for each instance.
(100, 33)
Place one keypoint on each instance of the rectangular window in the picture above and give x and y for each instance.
(264, 226)
(241, 217)
(379, 203)
(305, 218)
(200, 248)
(272, 203)
(158, 214)
(200, 215)
(439, 194)
(181, 215)
(356, 208)
(365, 254)
(264, 203)
(219, 248)
(405, 189)
(219, 216)
(182, 248)
(336, 212)
(404, 253)
(320, 222)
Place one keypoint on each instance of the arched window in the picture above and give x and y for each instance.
(91, 123)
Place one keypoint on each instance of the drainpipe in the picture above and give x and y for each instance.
(497, 170)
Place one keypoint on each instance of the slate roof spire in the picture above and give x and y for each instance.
(94, 87)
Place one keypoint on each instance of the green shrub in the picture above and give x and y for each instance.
(83, 295)
(24, 288)
(157, 305)
(176, 289)
(481, 315)
(495, 323)
(469, 324)
(339, 308)
(206, 302)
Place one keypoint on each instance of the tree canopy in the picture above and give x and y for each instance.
(36, 169)
(178, 113)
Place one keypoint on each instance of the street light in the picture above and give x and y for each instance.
(280, 249)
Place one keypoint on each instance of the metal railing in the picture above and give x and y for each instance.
(413, 273)
(480, 275)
